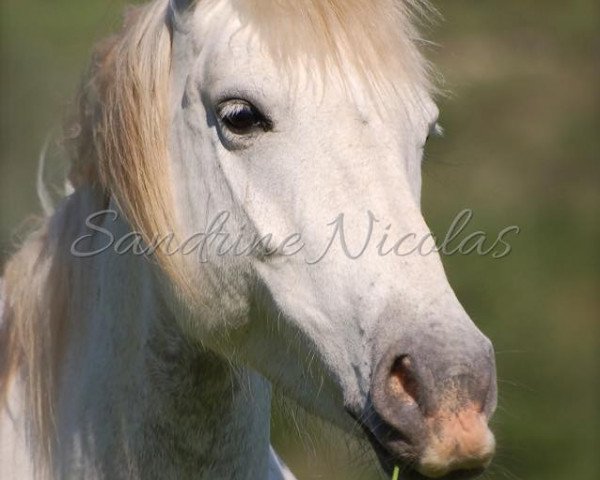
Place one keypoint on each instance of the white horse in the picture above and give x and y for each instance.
(298, 122)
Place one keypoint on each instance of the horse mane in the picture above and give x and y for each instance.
(120, 151)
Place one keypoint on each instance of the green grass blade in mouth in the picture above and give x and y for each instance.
(396, 474)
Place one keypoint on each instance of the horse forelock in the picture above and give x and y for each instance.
(378, 39)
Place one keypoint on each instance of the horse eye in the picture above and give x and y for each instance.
(241, 117)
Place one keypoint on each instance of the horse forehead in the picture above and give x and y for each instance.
(219, 28)
(229, 52)
(237, 61)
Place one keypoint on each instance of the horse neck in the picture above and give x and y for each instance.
(144, 401)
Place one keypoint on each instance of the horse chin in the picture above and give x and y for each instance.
(388, 463)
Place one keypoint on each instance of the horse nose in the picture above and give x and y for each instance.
(433, 410)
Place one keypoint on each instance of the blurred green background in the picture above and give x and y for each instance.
(521, 147)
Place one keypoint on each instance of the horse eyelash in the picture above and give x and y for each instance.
(232, 108)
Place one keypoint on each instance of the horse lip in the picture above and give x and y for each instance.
(388, 461)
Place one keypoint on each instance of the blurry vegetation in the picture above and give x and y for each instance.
(521, 147)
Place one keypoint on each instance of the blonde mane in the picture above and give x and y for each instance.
(121, 152)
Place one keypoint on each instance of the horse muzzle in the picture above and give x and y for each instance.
(428, 413)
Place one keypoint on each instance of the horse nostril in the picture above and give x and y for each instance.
(402, 382)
